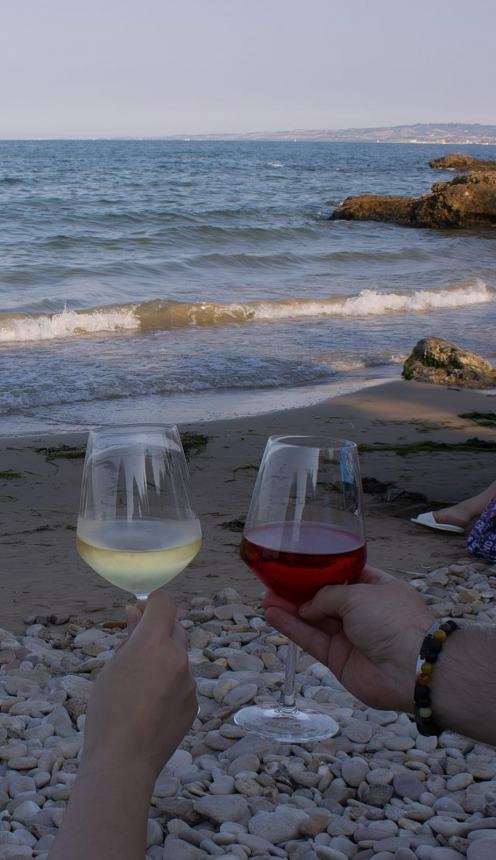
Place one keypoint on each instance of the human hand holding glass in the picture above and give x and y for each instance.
(304, 530)
(136, 526)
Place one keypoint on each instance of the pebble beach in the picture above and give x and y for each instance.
(377, 790)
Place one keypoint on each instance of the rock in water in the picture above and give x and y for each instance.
(458, 161)
(443, 363)
(466, 201)
(375, 207)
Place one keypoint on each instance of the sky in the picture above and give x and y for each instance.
(147, 68)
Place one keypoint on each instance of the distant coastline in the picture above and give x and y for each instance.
(451, 133)
(422, 133)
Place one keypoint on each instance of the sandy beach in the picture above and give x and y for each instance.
(39, 495)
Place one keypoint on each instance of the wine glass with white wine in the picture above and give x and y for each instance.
(136, 526)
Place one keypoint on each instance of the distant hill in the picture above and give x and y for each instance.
(451, 132)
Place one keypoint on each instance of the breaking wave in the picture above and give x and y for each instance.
(164, 314)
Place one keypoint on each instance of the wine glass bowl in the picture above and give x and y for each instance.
(304, 530)
(136, 526)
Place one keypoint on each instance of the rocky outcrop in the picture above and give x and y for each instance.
(458, 161)
(375, 207)
(466, 201)
(443, 363)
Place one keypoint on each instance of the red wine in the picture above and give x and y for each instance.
(295, 560)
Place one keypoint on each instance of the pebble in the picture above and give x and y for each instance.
(482, 849)
(154, 833)
(486, 833)
(278, 826)
(240, 695)
(375, 830)
(408, 785)
(405, 854)
(315, 823)
(354, 770)
(178, 762)
(222, 785)
(77, 687)
(247, 786)
(181, 850)
(26, 811)
(438, 853)
(325, 853)
(218, 809)
(380, 776)
(358, 731)
(260, 845)
(243, 661)
(445, 826)
(248, 761)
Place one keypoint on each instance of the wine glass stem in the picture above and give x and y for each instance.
(288, 687)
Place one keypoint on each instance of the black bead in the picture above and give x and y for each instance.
(422, 694)
(430, 649)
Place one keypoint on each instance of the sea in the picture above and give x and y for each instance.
(188, 280)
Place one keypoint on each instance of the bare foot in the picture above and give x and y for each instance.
(453, 516)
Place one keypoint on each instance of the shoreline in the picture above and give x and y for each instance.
(39, 503)
(232, 403)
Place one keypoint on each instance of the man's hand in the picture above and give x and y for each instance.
(368, 634)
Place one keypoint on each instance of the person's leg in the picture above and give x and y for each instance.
(463, 512)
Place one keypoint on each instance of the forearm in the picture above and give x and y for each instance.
(464, 684)
(107, 816)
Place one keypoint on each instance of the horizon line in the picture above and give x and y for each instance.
(244, 134)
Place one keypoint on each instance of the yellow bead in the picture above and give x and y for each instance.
(440, 635)
(427, 668)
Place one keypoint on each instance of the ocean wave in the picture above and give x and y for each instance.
(158, 314)
(34, 327)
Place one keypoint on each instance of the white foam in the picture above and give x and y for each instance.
(65, 324)
(374, 303)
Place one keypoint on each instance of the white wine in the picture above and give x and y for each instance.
(138, 555)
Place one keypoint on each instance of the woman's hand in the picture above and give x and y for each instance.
(369, 635)
(144, 701)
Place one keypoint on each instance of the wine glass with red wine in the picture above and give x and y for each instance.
(304, 530)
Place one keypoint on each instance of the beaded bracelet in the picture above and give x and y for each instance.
(431, 648)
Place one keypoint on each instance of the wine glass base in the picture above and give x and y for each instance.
(286, 725)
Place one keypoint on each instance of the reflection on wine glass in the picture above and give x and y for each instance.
(304, 530)
(136, 526)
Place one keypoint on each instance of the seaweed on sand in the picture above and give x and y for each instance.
(428, 447)
(485, 419)
(193, 443)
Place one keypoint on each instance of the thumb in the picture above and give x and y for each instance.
(333, 601)
(160, 612)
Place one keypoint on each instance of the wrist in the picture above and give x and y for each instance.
(413, 643)
(114, 768)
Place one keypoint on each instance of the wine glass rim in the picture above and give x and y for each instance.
(122, 429)
(299, 440)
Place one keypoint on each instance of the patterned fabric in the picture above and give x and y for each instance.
(482, 539)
